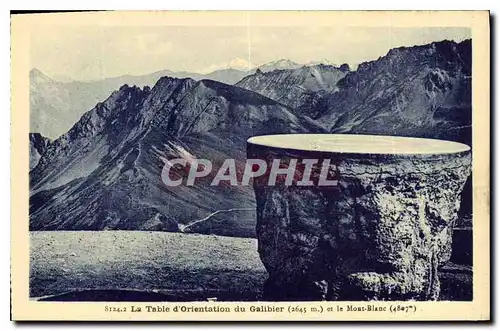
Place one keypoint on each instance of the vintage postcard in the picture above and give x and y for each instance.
(251, 166)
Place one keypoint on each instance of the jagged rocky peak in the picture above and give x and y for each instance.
(119, 96)
(297, 88)
(235, 93)
(168, 84)
(126, 99)
(116, 117)
(445, 54)
(123, 110)
(212, 106)
(422, 91)
(135, 88)
(399, 64)
(345, 67)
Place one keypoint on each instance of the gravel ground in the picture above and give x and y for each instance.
(184, 265)
(163, 266)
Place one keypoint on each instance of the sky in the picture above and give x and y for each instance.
(92, 53)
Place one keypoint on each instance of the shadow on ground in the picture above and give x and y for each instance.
(456, 285)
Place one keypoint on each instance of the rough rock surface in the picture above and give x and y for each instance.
(381, 234)
(422, 91)
(298, 88)
(38, 146)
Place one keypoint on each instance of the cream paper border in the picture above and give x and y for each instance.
(478, 21)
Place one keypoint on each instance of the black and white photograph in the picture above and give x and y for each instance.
(251, 163)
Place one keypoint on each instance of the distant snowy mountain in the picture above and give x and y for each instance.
(285, 64)
(324, 61)
(240, 64)
(279, 65)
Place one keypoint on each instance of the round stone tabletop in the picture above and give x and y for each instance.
(359, 144)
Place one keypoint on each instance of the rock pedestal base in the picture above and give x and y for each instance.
(379, 234)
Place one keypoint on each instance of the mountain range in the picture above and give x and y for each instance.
(299, 88)
(422, 91)
(68, 100)
(104, 173)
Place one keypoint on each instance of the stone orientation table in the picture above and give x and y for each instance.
(379, 233)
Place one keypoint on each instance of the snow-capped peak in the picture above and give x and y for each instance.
(237, 64)
(279, 64)
(240, 64)
(323, 61)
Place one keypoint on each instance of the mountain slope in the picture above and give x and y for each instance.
(299, 88)
(66, 101)
(38, 146)
(105, 173)
(421, 91)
